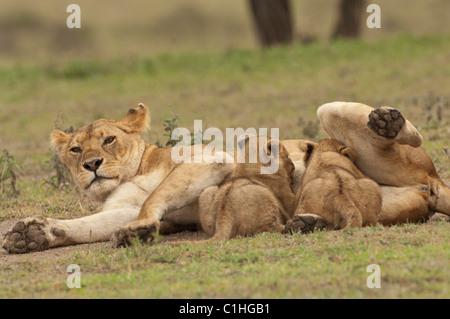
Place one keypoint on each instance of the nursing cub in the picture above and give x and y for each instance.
(334, 189)
(248, 202)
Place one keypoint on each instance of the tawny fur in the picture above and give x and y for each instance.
(249, 202)
(335, 189)
(143, 191)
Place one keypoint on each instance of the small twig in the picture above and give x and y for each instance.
(89, 243)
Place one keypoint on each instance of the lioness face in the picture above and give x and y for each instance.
(105, 153)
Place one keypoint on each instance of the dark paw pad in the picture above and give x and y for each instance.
(126, 236)
(25, 237)
(304, 224)
(386, 122)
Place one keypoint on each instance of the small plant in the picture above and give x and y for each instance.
(311, 129)
(8, 173)
(59, 174)
(434, 107)
(169, 126)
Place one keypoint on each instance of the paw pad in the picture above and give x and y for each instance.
(386, 122)
(124, 236)
(304, 224)
(25, 237)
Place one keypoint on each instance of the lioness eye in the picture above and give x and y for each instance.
(109, 140)
(75, 149)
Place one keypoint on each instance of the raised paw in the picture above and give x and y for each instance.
(305, 223)
(386, 122)
(126, 235)
(27, 236)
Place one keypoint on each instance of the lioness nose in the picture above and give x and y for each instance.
(93, 165)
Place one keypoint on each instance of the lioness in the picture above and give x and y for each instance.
(336, 190)
(143, 191)
(248, 202)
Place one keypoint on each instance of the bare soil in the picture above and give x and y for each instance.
(55, 253)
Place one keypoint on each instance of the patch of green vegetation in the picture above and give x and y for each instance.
(276, 87)
(9, 168)
(413, 260)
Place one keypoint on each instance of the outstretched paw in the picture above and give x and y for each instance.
(26, 236)
(126, 235)
(305, 223)
(386, 122)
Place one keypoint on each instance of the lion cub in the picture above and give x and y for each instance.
(334, 188)
(249, 202)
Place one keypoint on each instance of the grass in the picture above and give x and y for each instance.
(278, 87)
(413, 260)
(282, 84)
(37, 31)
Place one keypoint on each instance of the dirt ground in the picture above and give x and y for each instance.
(55, 253)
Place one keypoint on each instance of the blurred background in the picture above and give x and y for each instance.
(37, 31)
(230, 63)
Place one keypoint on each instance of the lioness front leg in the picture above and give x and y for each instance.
(181, 187)
(40, 233)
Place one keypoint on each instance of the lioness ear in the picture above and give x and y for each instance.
(349, 152)
(60, 140)
(137, 120)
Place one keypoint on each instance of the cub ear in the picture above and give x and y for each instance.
(349, 152)
(60, 140)
(308, 148)
(273, 147)
(137, 120)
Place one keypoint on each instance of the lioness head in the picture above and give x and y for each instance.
(105, 153)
